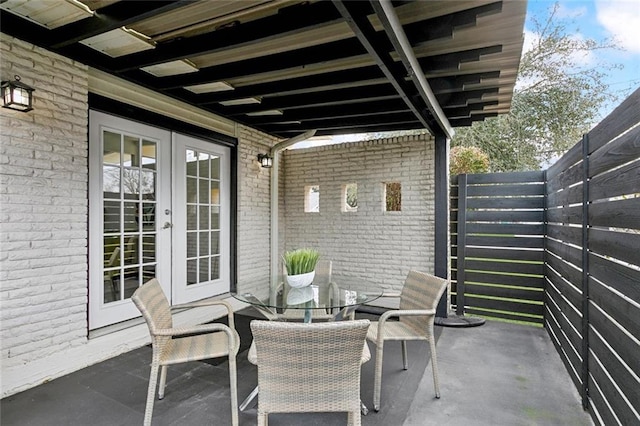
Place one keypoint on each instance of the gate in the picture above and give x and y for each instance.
(497, 239)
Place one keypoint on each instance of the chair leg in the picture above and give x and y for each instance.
(263, 419)
(354, 418)
(405, 359)
(434, 365)
(163, 381)
(377, 382)
(233, 387)
(153, 380)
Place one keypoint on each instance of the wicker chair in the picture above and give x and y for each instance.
(418, 301)
(324, 281)
(309, 367)
(173, 345)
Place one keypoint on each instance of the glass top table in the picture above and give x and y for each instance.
(327, 302)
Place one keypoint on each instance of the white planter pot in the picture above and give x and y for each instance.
(302, 280)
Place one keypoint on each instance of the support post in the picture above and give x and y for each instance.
(441, 243)
(585, 272)
(461, 243)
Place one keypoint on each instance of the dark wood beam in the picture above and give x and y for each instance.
(361, 26)
(331, 97)
(291, 20)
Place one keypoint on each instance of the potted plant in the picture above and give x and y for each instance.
(301, 266)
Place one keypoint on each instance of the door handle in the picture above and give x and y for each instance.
(167, 225)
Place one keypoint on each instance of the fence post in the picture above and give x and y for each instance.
(461, 243)
(585, 271)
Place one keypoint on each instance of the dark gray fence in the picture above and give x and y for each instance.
(593, 265)
(498, 245)
(562, 248)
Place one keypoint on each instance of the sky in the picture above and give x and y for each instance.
(617, 20)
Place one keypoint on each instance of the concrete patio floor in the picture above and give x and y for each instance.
(495, 374)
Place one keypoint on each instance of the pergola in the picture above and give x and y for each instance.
(285, 67)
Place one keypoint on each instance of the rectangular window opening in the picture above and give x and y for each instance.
(312, 199)
(350, 197)
(392, 196)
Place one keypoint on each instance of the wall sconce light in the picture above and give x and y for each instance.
(17, 95)
(265, 160)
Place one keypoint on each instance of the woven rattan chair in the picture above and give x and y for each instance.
(418, 301)
(309, 367)
(173, 345)
(322, 279)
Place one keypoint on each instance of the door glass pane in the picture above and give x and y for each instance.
(215, 167)
(204, 196)
(129, 191)
(131, 151)
(148, 216)
(192, 218)
(149, 154)
(204, 217)
(148, 184)
(130, 254)
(192, 271)
(192, 163)
(111, 215)
(203, 166)
(111, 148)
(111, 182)
(204, 244)
(215, 268)
(215, 242)
(149, 249)
(131, 216)
(131, 183)
(204, 270)
(215, 218)
(192, 244)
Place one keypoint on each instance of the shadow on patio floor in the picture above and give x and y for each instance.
(497, 374)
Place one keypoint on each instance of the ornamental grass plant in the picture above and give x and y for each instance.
(300, 261)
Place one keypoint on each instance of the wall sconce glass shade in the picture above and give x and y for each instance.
(17, 95)
(265, 160)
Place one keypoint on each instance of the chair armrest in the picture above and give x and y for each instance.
(210, 303)
(400, 313)
(234, 342)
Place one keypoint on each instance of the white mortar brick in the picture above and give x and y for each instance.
(47, 281)
(368, 245)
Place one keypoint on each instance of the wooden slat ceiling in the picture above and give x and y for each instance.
(290, 66)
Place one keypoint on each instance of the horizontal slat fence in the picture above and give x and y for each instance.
(498, 245)
(592, 307)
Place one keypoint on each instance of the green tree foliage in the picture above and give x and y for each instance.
(557, 97)
(468, 159)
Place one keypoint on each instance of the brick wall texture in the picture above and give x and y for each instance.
(253, 213)
(369, 247)
(43, 206)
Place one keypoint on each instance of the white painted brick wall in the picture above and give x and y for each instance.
(253, 212)
(43, 207)
(368, 247)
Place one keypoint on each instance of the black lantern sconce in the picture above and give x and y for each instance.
(17, 95)
(265, 160)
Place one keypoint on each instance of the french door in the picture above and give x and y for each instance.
(158, 207)
(201, 221)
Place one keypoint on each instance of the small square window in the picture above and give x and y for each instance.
(393, 196)
(312, 199)
(350, 197)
